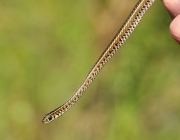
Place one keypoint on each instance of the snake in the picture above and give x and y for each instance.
(118, 40)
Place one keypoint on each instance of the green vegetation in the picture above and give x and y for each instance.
(48, 47)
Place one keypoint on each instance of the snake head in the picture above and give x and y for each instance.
(48, 118)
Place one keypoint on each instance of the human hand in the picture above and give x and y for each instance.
(173, 7)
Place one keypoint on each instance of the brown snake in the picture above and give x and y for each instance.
(122, 35)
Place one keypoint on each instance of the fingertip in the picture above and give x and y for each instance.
(175, 28)
(172, 6)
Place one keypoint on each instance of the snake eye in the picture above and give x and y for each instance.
(50, 118)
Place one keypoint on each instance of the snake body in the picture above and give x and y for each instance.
(119, 39)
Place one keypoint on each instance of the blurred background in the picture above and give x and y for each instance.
(47, 48)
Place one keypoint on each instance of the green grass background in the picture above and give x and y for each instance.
(48, 46)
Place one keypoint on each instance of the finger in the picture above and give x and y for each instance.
(173, 6)
(175, 28)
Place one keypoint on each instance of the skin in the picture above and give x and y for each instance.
(173, 7)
